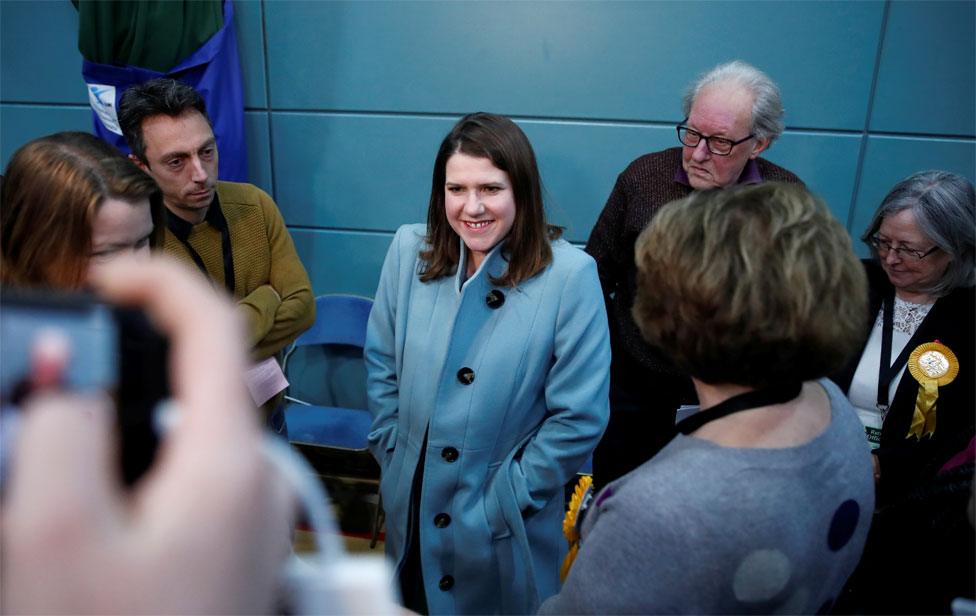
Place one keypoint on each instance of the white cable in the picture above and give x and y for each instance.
(299, 473)
(329, 580)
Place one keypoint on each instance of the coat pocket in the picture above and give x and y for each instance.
(499, 528)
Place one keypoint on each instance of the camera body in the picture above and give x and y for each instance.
(112, 349)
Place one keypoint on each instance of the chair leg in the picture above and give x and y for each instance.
(378, 518)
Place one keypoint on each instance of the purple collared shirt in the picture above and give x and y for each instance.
(750, 174)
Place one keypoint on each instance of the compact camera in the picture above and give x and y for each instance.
(112, 349)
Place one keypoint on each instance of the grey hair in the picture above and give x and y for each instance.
(767, 105)
(943, 205)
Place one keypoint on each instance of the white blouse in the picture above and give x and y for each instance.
(863, 392)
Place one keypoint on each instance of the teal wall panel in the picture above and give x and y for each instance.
(249, 23)
(621, 60)
(827, 164)
(22, 123)
(348, 101)
(342, 261)
(579, 164)
(39, 53)
(258, 150)
(926, 81)
(891, 159)
(329, 166)
(355, 171)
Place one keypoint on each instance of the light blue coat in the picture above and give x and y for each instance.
(520, 429)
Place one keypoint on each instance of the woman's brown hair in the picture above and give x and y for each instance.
(751, 286)
(485, 135)
(52, 189)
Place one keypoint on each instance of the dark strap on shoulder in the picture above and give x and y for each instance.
(887, 369)
(181, 229)
(767, 396)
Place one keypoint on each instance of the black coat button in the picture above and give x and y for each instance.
(495, 299)
(446, 583)
(450, 454)
(466, 376)
(442, 520)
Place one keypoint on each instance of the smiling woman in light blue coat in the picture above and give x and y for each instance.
(488, 362)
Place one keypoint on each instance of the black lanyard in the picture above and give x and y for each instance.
(767, 396)
(215, 218)
(886, 369)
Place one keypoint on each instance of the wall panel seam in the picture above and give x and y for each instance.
(561, 121)
(267, 100)
(8, 103)
(355, 230)
(862, 151)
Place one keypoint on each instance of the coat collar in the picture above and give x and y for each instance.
(493, 266)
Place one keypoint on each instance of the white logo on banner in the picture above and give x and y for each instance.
(102, 100)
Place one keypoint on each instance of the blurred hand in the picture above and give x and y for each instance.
(201, 532)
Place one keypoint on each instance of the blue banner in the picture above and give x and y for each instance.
(214, 71)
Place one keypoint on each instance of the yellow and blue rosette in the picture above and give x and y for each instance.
(933, 365)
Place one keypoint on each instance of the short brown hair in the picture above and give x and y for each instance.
(485, 135)
(52, 189)
(750, 286)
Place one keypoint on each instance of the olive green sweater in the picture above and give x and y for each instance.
(271, 287)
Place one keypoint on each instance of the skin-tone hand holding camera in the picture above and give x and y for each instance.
(200, 532)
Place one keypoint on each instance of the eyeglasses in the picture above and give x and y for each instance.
(884, 246)
(720, 146)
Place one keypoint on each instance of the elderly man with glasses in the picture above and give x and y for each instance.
(732, 114)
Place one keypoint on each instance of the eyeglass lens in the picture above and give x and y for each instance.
(883, 246)
(715, 145)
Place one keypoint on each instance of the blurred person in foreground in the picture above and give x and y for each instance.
(762, 502)
(70, 204)
(200, 533)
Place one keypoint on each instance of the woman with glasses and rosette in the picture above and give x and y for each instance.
(913, 383)
(913, 389)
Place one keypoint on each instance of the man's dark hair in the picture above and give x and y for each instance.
(155, 97)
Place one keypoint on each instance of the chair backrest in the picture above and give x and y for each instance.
(325, 365)
(339, 319)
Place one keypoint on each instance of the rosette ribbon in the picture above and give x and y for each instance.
(933, 365)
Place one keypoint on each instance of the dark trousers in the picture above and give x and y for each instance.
(411, 580)
(642, 412)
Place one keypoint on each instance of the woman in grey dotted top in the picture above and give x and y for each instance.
(762, 502)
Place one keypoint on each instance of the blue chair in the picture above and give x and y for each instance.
(326, 398)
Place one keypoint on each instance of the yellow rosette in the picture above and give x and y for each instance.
(933, 365)
(580, 499)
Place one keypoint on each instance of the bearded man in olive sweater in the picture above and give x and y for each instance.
(733, 113)
(232, 232)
